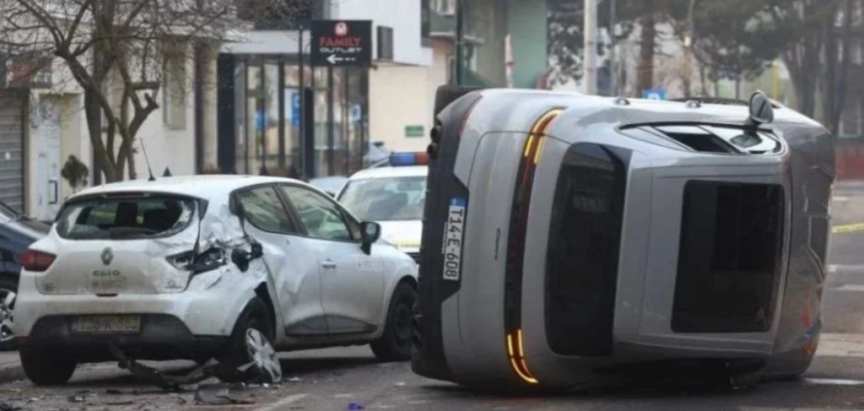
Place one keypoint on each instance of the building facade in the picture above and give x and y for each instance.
(279, 115)
(43, 125)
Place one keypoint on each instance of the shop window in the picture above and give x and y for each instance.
(271, 122)
(729, 258)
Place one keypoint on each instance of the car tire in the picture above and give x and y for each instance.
(47, 368)
(235, 354)
(6, 285)
(396, 343)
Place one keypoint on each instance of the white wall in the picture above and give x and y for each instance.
(402, 15)
(402, 96)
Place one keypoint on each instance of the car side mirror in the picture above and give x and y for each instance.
(761, 109)
(370, 232)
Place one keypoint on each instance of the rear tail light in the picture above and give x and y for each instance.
(37, 261)
(207, 261)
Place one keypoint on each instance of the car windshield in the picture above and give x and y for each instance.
(129, 217)
(386, 199)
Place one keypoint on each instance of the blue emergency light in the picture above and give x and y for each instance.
(409, 159)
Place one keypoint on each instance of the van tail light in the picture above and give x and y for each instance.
(37, 261)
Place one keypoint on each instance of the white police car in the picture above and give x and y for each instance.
(392, 196)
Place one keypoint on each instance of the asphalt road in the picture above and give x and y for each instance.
(334, 379)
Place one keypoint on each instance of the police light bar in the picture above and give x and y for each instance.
(409, 159)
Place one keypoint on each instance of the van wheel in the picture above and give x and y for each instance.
(395, 344)
(8, 288)
(47, 367)
(251, 343)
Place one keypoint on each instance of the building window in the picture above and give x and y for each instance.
(850, 121)
(174, 87)
(385, 43)
(425, 23)
(444, 7)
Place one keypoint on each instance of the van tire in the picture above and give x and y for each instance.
(47, 368)
(234, 355)
(396, 343)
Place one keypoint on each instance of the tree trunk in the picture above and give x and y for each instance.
(93, 112)
(829, 78)
(648, 42)
(840, 85)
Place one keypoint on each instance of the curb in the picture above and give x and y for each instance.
(11, 372)
(10, 367)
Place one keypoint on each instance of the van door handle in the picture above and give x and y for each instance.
(328, 265)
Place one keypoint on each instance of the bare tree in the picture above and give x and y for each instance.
(121, 53)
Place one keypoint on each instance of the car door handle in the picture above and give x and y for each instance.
(328, 265)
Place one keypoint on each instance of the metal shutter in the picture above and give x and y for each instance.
(12, 150)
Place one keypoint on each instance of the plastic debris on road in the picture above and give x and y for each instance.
(355, 406)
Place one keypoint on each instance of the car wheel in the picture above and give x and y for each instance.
(251, 344)
(47, 367)
(396, 342)
(8, 288)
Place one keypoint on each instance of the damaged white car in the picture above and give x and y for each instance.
(190, 267)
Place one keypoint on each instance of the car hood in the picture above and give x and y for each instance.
(405, 235)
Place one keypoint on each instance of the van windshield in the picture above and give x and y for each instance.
(125, 217)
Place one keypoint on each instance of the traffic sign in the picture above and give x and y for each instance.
(342, 43)
(654, 94)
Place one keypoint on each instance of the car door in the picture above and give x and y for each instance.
(293, 265)
(352, 283)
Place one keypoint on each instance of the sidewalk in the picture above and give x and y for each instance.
(849, 184)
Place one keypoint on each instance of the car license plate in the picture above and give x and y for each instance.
(453, 234)
(107, 325)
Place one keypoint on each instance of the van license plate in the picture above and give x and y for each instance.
(453, 234)
(107, 325)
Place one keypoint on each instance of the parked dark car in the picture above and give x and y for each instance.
(17, 232)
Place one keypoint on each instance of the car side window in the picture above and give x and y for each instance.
(323, 219)
(265, 210)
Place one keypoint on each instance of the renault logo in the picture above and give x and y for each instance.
(107, 256)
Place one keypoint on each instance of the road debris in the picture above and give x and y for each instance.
(9, 407)
(355, 406)
(216, 395)
(264, 368)
(81, 396)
